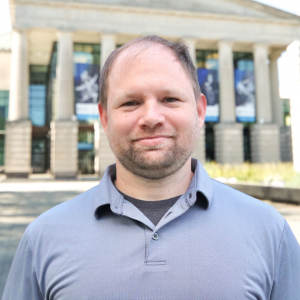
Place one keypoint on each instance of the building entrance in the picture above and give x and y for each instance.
(40, 162)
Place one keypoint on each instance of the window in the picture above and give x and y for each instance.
(37, 94)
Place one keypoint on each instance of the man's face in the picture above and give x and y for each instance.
(152, 119)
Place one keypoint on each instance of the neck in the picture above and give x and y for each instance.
(151, 190)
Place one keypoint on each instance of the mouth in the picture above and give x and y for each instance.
(151, 141)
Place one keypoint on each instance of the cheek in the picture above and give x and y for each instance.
(184, 120)
(120, 126)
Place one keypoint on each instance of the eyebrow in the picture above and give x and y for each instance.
(134, 94)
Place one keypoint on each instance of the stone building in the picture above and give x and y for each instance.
(51, 61)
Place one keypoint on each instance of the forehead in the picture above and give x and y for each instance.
(141, 56)
(147, 70)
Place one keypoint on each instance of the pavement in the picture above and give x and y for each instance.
(21, 201)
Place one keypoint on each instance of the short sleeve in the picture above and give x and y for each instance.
(21, 282)
(286, 283)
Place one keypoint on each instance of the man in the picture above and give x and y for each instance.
(156, 227)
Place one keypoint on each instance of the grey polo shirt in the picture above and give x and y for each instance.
(213, 243)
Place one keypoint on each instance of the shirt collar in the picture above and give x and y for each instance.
(200, 190)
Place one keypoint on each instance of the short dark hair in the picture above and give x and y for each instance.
(179, 49)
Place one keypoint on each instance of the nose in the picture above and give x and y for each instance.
(151, 114)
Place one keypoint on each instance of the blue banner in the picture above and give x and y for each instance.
(86, 85)
(245, 96)
(209, 84)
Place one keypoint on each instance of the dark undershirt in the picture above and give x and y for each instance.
(153, 210)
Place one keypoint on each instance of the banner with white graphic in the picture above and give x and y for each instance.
(86, 85)
(245, 96)
(209, 84)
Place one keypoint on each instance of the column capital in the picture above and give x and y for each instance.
(228, 43)
(257, 46)
(109, 35)
(189, 40)
(275, 54)
(60, 33)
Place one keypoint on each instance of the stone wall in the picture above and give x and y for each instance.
(286, 152)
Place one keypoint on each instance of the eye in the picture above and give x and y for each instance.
(130, 103)
(170, 100)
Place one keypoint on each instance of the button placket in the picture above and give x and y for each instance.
(156, 251)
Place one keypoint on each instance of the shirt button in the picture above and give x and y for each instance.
(155, 236)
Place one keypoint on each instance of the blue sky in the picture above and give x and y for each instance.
(292, 6)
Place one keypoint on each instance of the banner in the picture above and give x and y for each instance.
(209, 84)
(86, 85)
(244, 96)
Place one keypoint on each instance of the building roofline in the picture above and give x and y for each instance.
(283, 17)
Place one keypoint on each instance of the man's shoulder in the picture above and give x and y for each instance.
(244, 207)
(66, 213)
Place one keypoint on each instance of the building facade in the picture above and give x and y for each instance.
(49, 83)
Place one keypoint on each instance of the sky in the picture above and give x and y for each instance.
(291, 6)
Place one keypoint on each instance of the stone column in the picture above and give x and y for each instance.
(226, 79)
(285, 142)
(228, 133)
(18, 127)
(277, 104)
(64, 128)
(191, 43)
(264, 135)
(295, 126)
(199, 152)
(294, 63)
(103, 153)
(108, 45)
(262, 84)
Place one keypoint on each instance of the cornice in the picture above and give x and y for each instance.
(151, 11)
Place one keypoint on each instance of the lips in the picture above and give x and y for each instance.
(151, 141)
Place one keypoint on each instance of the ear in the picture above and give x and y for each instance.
(201, 109)
(103, 116)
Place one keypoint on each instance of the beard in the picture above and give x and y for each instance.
(168, 159)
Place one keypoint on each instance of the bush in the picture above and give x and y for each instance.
(260, 173)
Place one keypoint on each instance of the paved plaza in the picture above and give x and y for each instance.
(22, 201)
